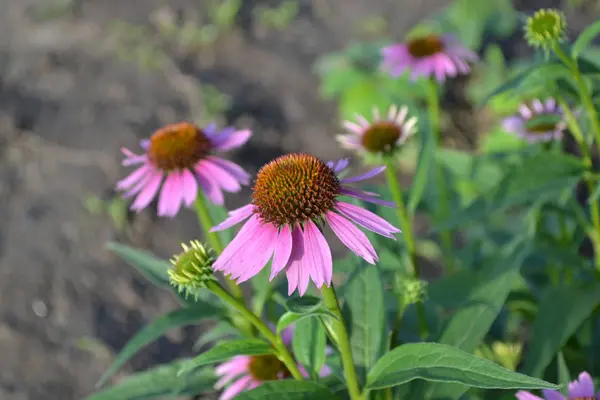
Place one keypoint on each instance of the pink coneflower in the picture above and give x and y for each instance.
(428, 56)
(538, 122)
(249, 372)
(294, 195)
(180, 154)
(580, 389)
(383, 135)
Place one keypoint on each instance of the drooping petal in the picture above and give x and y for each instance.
(552, 395)
(148, 193)
(171, 195)
(282, 251)
(134, 177)
(258, 253)
(219, 176)
(190, 187)
(298, 275)
(236, 388)
(235, 217)
(233, 140)
(367, 219)
(361, 195)
(318, 255)
(231, 369)
(366, 175)
(238, 172)
(352, 237)
(239, 244)
(523, 395)
(210, 187)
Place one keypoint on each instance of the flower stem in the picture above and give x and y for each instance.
(412, 267)
(343, 342)
(282, 351)
(207, 223)
(575, 129)
(433, 104)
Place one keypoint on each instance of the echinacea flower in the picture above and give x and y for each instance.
(249, 372)
(383, 135)
(538, 122)
(428, 56)
(177, 161)
(580, 389)
(293, 196)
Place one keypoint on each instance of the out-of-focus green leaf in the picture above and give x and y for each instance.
(154, 269)
(308, 343)
(225, 350)
(288, 390)
(584, 39)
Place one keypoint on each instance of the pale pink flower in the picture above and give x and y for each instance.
(178, 161)
(428, 56)
(382, 135)
(293, 197)
(580, 389)
(249, 372)
(537, 122)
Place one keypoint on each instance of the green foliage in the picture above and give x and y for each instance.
(288, 390)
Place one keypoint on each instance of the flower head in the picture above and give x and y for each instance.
(428, 56)
(383, 135)
(537, 122)
(249, 372)
(192, 268)
(580, 389)
(545, 28)
(177, 160)
(294, 195)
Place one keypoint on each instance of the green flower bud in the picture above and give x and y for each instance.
(545, 28)
(192, 268)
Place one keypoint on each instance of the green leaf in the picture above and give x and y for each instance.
(510, 84)
(226, 350)
(287, 390)
(470, 324)
(422, 173)
(309, 343)
(442, 363)
(564, 376)
(154, 269)
(289, 318)
(562, 311)
(156, 329)
(584, 39)
(303, 305)
(159, 381)
(217, 332)
(365, 307)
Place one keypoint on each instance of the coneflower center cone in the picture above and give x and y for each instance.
(425, 46)
(267, 368)
(294, 188)
(178, 146)
(381, 137)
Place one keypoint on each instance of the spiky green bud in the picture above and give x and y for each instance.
(545, 28)
(411, 290)
(192, 268)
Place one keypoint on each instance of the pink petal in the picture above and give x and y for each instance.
(318, 255)
(148, 193)
(582, 387)
(288, 334)
(298, 275)
(134, 177)
(359, 194)
(259, 251)
(235, 364)
(210, 187)
(366, 175)
(220, 176)
(367, 219)
(282, 251)
(238, 172)
(235, 217)
(227, 260)
(352, 237)
(171, 195)
(135, 160)
(140, 185)
(523, 395)
(352, 127)
(552, 395)
(236, 388)
(233, 140)
(190, 187)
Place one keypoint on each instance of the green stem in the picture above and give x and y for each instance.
(584, 92)
(575, 129)
(343, 342)
(412, 267)
(207, 223)
(444, 207)
(282, 351)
